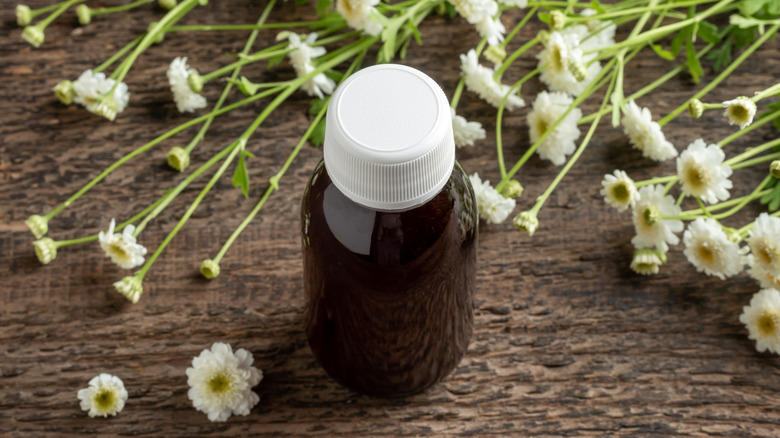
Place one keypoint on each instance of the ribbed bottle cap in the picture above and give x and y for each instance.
(388, 138)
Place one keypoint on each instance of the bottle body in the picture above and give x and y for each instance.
(389, 294)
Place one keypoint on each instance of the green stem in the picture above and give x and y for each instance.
(510, 36)
(247, 59)
(754, 161)
(118, 54)
(771, 91)
(516, 54)
(656, 180)
(62, 7)
(725, 204)
(36, 12)
(752, 152)
(229, 86)
(766, 118)
(723, 75)
(499, 119)
(120, 8)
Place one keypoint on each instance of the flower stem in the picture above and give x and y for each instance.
(120, 8)
(752, 152)
(511, 58)
(270, 52)
(499, 119)
(766, 118)
(118, 54)
(62, 7)
(723, 75)
(511, 35)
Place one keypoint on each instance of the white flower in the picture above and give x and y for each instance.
(516, 3)
(493, 207)
(358, 15)
(647, 261)
(645, 134)
(709, 249)
(482, 14)
(764, 243)
(561, 52)
(221, 382)
(186, 99)
(651, 230)
(740, 111)
(122, 248)
(599, 34)
(548, 108)
(619, 190)
(465, 132)
(702, 172)
(92, 92)
(762, 319)
(479, 79)
(300, 57)
(492, 29)
(131, 287)
(106, 395)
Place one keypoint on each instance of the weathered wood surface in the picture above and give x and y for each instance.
(568, 340)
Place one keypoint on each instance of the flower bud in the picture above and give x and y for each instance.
(160, 37)
(39, 225)
(130, 287)
(495, 54)
(195, 81)
(84, 14)
(209, 268)
(45, 250)
(774, 169)
(23, 15)
(167, 4)
(526, 221)
(65, 92)
(178, 158)
(695, 108)
(578, 70)
(557, 20)
(512, 189)
(33, 35)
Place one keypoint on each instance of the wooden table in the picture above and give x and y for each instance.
(568, 340)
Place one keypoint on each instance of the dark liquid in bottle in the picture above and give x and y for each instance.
(388, 294)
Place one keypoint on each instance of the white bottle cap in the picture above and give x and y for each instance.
(388, 138)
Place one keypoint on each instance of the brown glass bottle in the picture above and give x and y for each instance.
(389, 293)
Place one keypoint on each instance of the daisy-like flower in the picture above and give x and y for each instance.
(492, 206)
(762, 319)
(131, 287)
(106, 395)
(300, 57)
(619, 190)
(465, 132)
(92, 91)
(221, 382)
(45, 250)
(598, 34)
(122, 248)
(740, 111)
(709, 249)
(764, 243)
(645, 134)
(186, 99)
(548, 108)
(647, 261)
(358, 15)
(651, 230)
(482, 14)
(702, 172)
(561, 54)
(526, 221)
(479, 79)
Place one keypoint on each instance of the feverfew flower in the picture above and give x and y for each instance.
(131, 287)
(479, 79)
(619, 190)
(526, 221)
(709, 249)
(122, 248)
(647, 261)
(358, 15)
(548, 108)
(300, 57)
(651, 230)
(561, 53)
(465, 132)
(92, 91)
(762, 319)
(645, 134)
(221, 382)
(598, 34)
(481, 14)
(106, 395)
(186, 99)
(740, 111)
(493, 207)
(702, 172)
(764, 243)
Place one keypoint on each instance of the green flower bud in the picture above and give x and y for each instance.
(84, 14)
(167, 4)
(557, 20)
(39, 225)
(195, 81)
(209, 268)
(695, 108)
(178, 158)
(160, 37)
(65, 92)
(513, 189)
(45, 250)
(23, 15)
(130, 287)
(495, 54)
(774, 169)
(33, 35)
(526, 221)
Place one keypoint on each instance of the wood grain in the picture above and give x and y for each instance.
(568, 340)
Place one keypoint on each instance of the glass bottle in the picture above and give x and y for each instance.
(389, 230)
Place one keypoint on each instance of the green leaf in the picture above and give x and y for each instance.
(416, 32)
(317, 105)
(317, 137)
(772, 107)
(660, 51)
(708, 32)
(323, 6)
(772, 198)
(677, 43)
(596, 6)
(692, 61)
(241, 176)
(246, 86)
(743, 37)
(276, 60)
(720, 57)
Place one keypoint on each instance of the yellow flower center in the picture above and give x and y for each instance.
(219, 384)
(118, 251)
(696, 176)
(650, 216)
(738, 113)
(621, 193)
(557, 59)
(706, 255)
(105, 400)
(767, 323)
(541, 126)
(763, 251)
